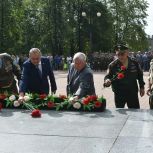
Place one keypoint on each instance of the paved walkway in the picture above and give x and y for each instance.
(112, 131)
(98, 78)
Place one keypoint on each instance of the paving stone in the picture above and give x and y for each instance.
(101, 125)
(133, 145)
(112, 131)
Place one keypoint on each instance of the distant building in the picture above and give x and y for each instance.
(150, 40)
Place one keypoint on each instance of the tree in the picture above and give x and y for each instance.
(58, 27)
(129, 22)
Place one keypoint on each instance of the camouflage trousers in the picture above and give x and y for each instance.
(151, 99)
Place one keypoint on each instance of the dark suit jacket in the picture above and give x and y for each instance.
(80, 83)
(32, 82)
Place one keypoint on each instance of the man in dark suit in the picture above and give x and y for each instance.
(35, 74)
(80, 77)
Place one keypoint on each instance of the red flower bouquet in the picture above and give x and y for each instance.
(120, 76)
(123, 68)
(92, 98)
(50, 104)
(1, 106)
(86, 101)
(97, 104)
(35, 103)
(36, 113)
(42, 96)
(62, 97)
(2, 96)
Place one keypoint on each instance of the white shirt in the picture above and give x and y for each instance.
(40, 67)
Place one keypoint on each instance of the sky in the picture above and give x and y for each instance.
(149, 28)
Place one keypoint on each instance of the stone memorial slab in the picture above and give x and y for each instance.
(132, 145)
(112, 131)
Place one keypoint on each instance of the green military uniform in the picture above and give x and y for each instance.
(126, 89)
(7, 71)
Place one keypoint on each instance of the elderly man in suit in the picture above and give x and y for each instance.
(35, 75)
(80, 77)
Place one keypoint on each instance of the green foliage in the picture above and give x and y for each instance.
(57, 26)
(129, 22)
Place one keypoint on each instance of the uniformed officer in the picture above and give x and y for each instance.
(125, 89)
(7, 71)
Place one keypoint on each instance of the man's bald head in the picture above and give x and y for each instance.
(79, 61)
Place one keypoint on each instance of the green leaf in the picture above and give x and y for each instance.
(88, 107)
(7, 103)
(69, 106)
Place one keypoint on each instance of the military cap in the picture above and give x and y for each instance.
(120, 47)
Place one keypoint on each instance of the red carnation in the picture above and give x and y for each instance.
(123, 68)
(98, 104)
(50, 104)
(2, 96)
(42, 96)
(62, 97)
(36, 113)
(86, 101)
(120, 76)
(1, 106)
(93, 97)
(89, 98)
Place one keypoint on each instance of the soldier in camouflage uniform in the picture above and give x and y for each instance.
(125, 89)
(7, 71)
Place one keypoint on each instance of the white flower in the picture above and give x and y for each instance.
(77, 105)
(75, 98)
(20, 98)
(26, 98)
(71, 99)
(16, 104)
(12, 98)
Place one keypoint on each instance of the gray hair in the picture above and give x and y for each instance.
(81, 56)
(34, 51)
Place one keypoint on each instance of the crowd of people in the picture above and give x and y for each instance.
(97, 61)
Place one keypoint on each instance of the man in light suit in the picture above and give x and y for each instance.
(35, 74)
(80, 77)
